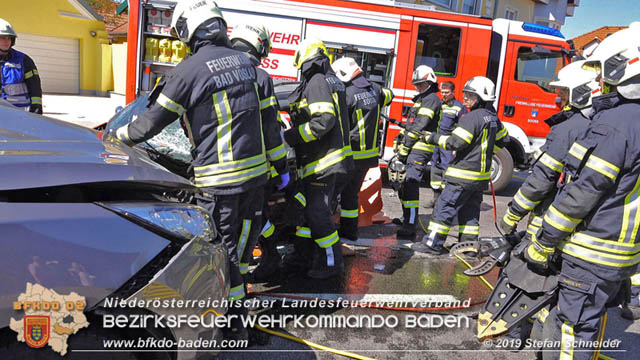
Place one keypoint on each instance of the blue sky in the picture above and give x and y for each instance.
(593, 14)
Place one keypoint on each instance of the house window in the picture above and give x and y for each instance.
(438, 47)
(445, 3)
(470, 7)
(510, 13)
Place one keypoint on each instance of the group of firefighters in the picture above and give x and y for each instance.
(582, 194)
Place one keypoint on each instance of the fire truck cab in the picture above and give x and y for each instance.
(389, 39)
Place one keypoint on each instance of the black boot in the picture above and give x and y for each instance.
(424, 248)
(630, 312)
(320, 268)
(269, 261)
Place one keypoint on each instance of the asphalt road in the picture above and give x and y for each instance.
(381, 269)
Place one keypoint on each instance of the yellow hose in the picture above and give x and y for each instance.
(314, 345)
(482, 279)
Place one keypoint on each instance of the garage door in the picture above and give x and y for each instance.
(57, 59)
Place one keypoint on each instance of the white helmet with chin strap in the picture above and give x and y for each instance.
(481, 86)
(257, 36)
(188, 15)
(423, 73)
(580, 82)
(7, 30)
(346, 69)
(619, 57)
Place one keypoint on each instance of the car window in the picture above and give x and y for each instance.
(171, 141)
(539, 67)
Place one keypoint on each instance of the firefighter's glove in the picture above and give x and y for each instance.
(538, 255)
(403, 153)
(430, 138)
(122, 133)
(284, 181)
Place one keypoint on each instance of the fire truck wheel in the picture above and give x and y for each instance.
(501, 170)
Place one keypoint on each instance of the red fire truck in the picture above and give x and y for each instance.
(389, 39)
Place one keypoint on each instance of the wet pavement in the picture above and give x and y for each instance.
(414, 292)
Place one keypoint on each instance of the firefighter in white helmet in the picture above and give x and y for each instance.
(255, 41)
(412, 150)
(19, 79)
(474, 139)
(320, 137)
(215, 90)
(592, 224)
(365, 100)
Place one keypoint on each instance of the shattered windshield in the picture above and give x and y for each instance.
(171, 141)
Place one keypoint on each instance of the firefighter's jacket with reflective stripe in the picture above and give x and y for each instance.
(365, 100)
(20, 81)
(450, 113)
(423, 116)
(595, 216)
(269, 111)
(539, 190)
(320, 123)
(473, 140)
(216, 91)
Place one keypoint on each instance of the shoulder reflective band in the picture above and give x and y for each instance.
(213, 169)
(467, 174)
(276, 153)
(442, 141)
(169, 104)
(578, 151)
(268, 102)
(325, 242)
(322, 107)
(603, 167)
(524, 202)
(301, 199)
(225, 118)
(425, 111)
(463, 134)
(439, 228)
(502, 133)
(470, 229)
(236, 293)
(303, 232)
(551, 163)
(305, 133)
(484, 144)
(361, 130)
(36, 100)
(560, 221)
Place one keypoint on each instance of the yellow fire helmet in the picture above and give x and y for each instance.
(308, 49)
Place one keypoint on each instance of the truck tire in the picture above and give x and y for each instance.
(501, 170)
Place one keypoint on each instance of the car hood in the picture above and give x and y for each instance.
(36, 151)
